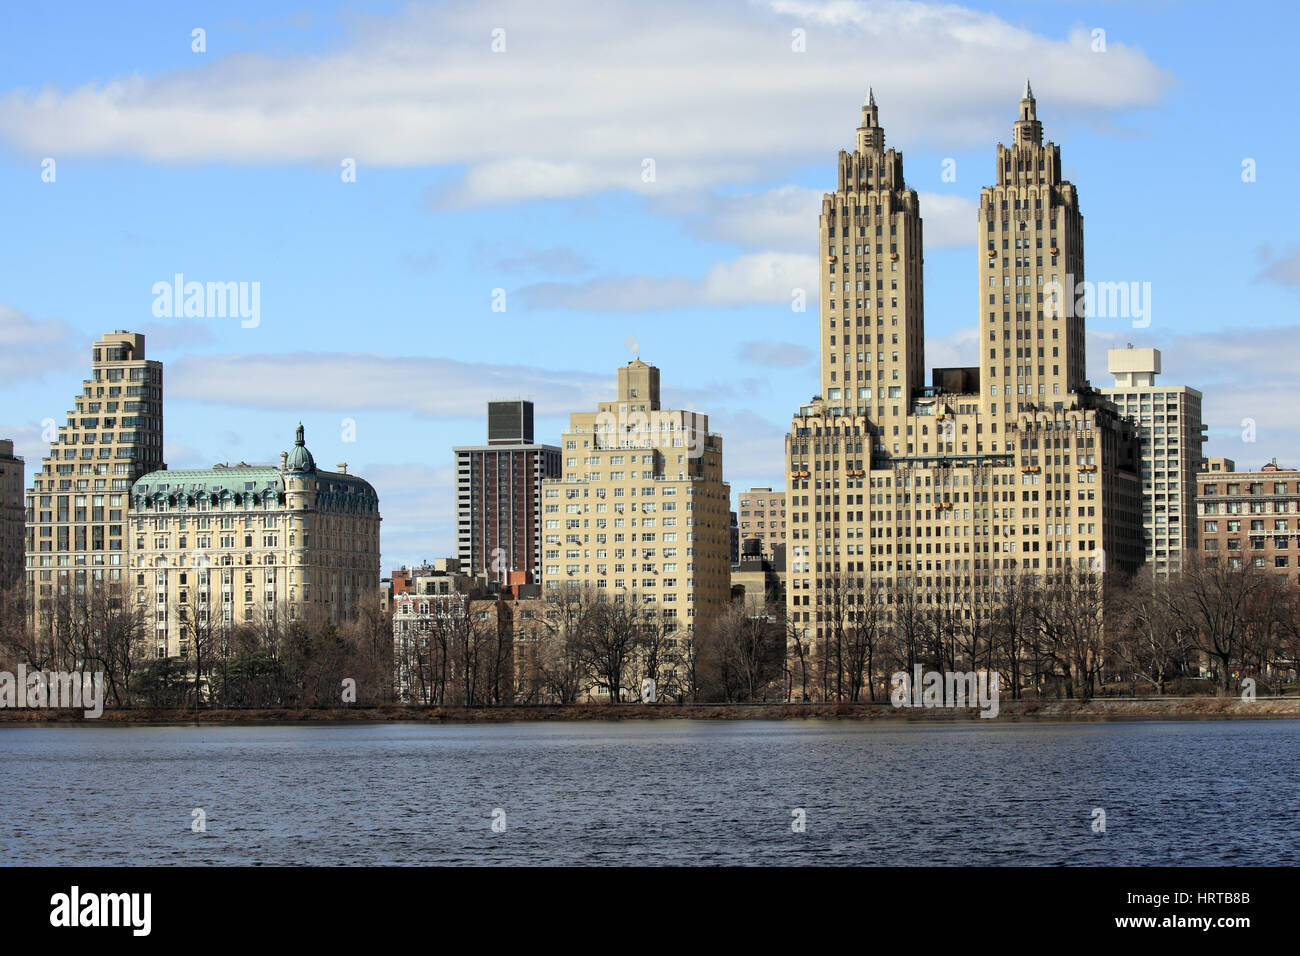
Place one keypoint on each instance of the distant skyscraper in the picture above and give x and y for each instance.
(12, 520)
(1168, 419)
(77, 532)
(498, 496)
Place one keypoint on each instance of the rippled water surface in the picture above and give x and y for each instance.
(681, 792)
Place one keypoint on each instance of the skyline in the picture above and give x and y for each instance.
(701, 250)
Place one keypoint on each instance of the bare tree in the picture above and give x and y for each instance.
(560, 659)
(1146, 643)
(1212, 601)
(610, 641)
(658, 654)
(744, 651)
(1012, 624)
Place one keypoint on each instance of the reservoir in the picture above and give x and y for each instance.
(685, 792)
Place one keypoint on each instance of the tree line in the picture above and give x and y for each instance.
(273, 660)
(1072, 633)
(578, 648)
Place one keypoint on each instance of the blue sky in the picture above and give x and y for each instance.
(523, 170)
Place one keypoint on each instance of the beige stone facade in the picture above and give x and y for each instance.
(1170, 433)
(1016, 466)
(249, 544)
(641, 511)
(77, 506)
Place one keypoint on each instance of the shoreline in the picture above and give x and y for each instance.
(1011, 711)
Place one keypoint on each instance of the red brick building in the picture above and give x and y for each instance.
(1251, 518)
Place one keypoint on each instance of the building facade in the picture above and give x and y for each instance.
(640, 512)
(455, 643)
(13, 530)
(1251, 518)
(1014, 467)
(762, 517)
(499, 496)
(247, 544)
(1170, 436)
(77, 505)
(759, 579)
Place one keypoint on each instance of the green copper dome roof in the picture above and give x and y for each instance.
(300, 458)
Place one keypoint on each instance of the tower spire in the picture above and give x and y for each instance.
(870, 136)
(1027, 128)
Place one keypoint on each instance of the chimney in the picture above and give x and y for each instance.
(284, 460)
(343, 468)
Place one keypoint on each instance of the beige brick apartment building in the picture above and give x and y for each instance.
(1014, 466)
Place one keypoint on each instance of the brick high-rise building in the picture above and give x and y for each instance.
(499, 496)
(77, 506)
(1015, 467)
(641, 509)
(1251, 517)
(762, 517)
(1170, 433)
(13, 531)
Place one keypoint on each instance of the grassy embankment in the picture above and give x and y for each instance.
(1152, 708)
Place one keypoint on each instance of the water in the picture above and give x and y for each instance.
(663, 792)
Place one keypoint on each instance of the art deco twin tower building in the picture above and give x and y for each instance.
(1014, 466)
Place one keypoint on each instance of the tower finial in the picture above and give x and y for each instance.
(1029, 91)
(871, 96)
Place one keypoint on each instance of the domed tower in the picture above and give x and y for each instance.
(299, 458)
(299, 469)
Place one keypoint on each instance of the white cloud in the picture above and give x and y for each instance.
(947, 220)
(177, 334)
(28, 445)
(753, 448)
(555, 259)
(783, 218)
(587, 90)
(31, 347)
(1241, 374)
(760, 277)
(339, 381)
(958, 349)
(415, 502)
(1284, 270)
(776, 354)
